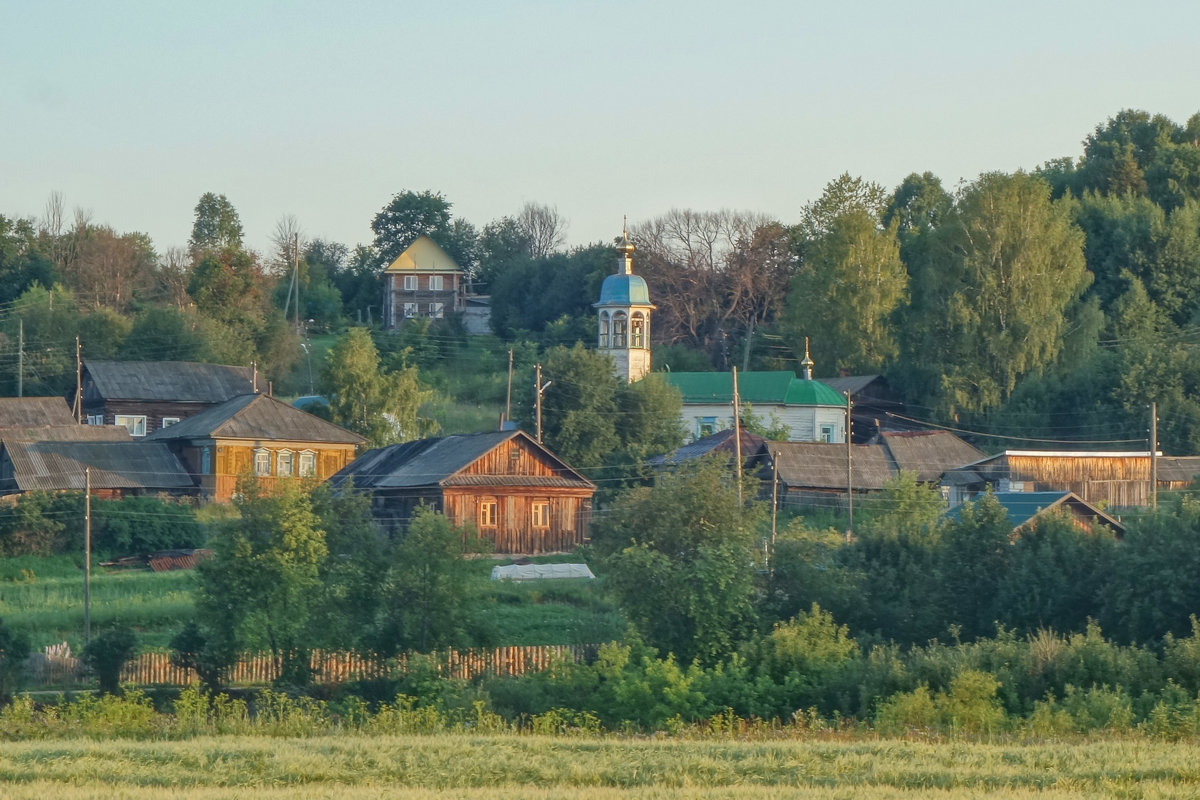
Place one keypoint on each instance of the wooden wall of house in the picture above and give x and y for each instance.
(154, 412)
(232, 461)
(515, 457)
(570, 515)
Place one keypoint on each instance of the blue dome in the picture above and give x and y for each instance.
(624, 290)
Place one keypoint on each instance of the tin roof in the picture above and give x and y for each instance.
(780, 388)
(928, 453)
(169, 381)
(257, 417)
(822, 465)
(35, 412)
(57, 466)
(437, 462)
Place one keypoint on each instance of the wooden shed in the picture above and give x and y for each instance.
(514, 491)
(1110, 478)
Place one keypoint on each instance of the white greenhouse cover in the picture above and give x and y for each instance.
(535, 572)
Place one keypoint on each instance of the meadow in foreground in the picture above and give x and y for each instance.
(461, 765)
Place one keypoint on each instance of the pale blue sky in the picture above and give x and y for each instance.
(133, 109)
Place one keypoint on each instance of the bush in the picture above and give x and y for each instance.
(106, 655)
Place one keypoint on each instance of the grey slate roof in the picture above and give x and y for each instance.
(169, 381)
(35, 412)
(54, 466)
(257, 417)
(1178, 469)
(822, 465)
(928, 453)
(436, 462)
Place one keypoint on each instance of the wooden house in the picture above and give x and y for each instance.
(1024, 509)
(423, 281)
(256, 435)
(144, 396)
(1111, 478)
(117, 469)
(512, 490)
(46, 419)
(821, 474)
(721, 443)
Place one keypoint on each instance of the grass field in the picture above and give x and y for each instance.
(43, 597)
(452, 765)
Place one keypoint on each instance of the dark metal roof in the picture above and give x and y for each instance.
(35, 412)
(257, 417)
(1023, 507)
(437, 462)
(169, 381)
(1178, 469)
(56, 466)
(850, 383)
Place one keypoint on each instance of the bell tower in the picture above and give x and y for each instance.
(623, 316)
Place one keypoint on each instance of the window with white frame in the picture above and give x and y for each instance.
(283, 463)
(308, 464)
(436, 310)
(435, 283)
(262, 462)
(410, 310)
(603, 330)
(637, 330)
(620, 326)
(827, 432)
(169, 421)
(540, 513)
(95, 419)
(410, 283)
(487, 513)
(135, 423)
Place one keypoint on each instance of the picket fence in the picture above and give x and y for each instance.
(155, 669)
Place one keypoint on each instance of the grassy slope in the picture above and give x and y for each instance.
(353, 766)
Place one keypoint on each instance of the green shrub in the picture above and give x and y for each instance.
(106, 655)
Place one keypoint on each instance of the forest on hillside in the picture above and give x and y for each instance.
(1052, 304)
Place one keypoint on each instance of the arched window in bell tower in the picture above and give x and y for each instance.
(637, 330)
(603, 330)
(619, 325)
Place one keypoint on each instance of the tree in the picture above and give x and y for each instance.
(425, 587)
(543, 230)
(841, 196)
(111, 270)
(217, 226)
(14, 649)
(850, 284)
(23, 263)
(383, 406)
(106, 655)
(679, 560)
(1000, 284)
(261, 585)
(413, 214)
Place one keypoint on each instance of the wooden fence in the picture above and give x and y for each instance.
(156, 669)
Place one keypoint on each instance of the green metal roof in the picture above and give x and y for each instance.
(780, 388)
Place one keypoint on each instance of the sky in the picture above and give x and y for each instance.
(324, 111)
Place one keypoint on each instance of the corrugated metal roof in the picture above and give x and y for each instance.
(169, 381)
(56, 466)
(436, 462)
(35, 412)
(822, 465)
(929, 453)
(781, 388)
(257, 417)
(1021, 507)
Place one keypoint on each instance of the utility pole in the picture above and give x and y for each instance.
(20, 358)
(508, 396)
(78, 383)
(537, 387)
(296, 277)
(849, 469)
(737, 436)
(774, 506)
(1154, 455)
(87, 555)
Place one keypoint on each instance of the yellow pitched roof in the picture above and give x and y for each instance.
(424, 255)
